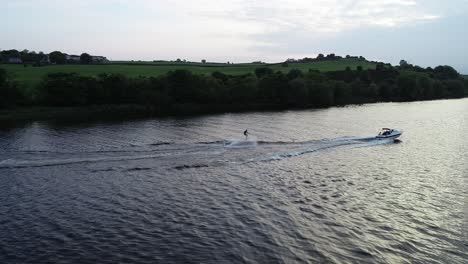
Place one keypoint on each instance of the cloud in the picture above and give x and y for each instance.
(208, 28)
(258, 24)
(248, 17)
(314, 16)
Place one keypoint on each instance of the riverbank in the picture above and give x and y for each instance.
(63, 113)
(71, 96)
(21, 115)
(117, 112)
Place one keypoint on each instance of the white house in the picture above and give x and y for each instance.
(72, 58)
(99, 59)
(45, 59)
(15, 60)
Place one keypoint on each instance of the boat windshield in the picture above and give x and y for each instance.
(385, 131)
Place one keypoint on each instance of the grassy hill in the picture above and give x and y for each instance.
(30, 76)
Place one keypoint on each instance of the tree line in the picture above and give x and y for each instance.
(322, 57)
(39, 58)
(263, 89)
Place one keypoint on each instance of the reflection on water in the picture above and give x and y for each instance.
(306, 186)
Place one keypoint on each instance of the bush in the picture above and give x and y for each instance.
(180, 90)
(455, 88)
(63, 89)
(445, 73)
(261, 72)
(10, 94)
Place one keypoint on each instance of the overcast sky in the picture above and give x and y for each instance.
(425, 33)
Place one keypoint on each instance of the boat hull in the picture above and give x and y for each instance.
(394, 136)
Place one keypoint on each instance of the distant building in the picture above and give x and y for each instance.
(72, 58)
(99, 59)
(45, 59)
(15, 60)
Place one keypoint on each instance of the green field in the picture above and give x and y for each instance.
(28, 77)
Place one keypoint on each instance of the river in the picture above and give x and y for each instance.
(309, 186)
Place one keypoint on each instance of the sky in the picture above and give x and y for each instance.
(425, 33)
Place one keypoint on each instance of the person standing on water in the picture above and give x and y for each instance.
(246, 134)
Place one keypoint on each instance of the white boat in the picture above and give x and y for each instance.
(386, 133)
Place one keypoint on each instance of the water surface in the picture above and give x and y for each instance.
(307, 186)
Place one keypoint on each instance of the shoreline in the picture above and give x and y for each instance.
(25, 114)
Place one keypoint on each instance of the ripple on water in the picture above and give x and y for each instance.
(312, 188)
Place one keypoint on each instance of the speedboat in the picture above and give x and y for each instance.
(386, 133)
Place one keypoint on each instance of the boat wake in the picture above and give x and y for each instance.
(190, 155)
(240, 143)
(321, 145)
(18, 163)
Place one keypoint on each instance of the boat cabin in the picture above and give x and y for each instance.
(385, 132)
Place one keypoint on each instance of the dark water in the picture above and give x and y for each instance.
(308, 186)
